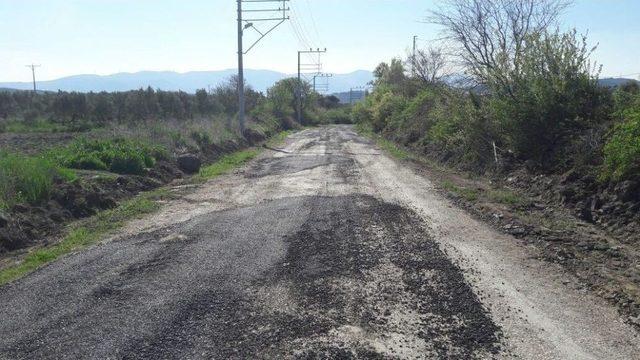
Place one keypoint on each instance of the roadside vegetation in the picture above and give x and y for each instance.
(227, 163)
(81, 154)
(26, 179)
(534, 99)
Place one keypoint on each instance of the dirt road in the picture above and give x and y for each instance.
(326, 248)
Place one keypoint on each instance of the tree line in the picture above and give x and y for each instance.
(100, 108)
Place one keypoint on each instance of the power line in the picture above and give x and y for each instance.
(298, 15)
(314, 24)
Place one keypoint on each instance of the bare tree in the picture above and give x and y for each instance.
(490, 34)
(430, 65)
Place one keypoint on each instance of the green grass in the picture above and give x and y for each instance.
(118, 155)
(505, 197)
(393, 149)
(387, 145)
(278, 139)
(41, 126)
(81, 236)
(28, 179)
(226, 163)
(466, 193)
(95, 228)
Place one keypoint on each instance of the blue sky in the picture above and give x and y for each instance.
(107, 36)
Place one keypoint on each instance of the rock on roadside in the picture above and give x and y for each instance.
(189, 163)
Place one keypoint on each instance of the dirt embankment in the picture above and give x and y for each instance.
(27, 225)
(591, 230)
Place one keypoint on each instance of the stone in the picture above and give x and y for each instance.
(189, 163)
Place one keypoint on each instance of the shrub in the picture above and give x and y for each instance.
(622, 150)
(131, 163)
(202, 138)
(551, 95)
(360, 113)
(387, 105)
(337, 116)
(122, 156)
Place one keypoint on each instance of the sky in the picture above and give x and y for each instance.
(69, 37)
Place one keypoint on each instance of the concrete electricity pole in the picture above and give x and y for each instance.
(413, 58)
(33, 74)
(299, 87)
(275, 16)
(321, 75)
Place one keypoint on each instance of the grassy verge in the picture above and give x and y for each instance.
(466, 193)
(226, 163)
(278, 138)
(231, 161)
(36, 127)
(95, 228)
(389, 146)
(86, 233)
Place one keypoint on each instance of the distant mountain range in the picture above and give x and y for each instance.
(615, 82)
(260, 80)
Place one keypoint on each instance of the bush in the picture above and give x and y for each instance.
(131, 163)
(337, 116)
(202, 138)
(622, 150)
(122, 156)
(27, 179)
(551, 95)
(386, 105)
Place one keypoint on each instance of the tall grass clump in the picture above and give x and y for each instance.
(27, 179)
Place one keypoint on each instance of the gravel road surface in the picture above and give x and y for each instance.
(323, 249)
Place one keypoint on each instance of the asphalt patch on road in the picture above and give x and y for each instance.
(292, 164)
(360, 279)
(348, 277)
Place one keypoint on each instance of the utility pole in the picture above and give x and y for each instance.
(363, 91)
(321, 75)
(274, 16)
(413, 58)
(33, 74)
(299, 87)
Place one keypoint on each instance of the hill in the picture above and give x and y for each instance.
(173, 81)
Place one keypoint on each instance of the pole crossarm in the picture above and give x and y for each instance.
(249, 23)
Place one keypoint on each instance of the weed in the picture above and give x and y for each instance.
(466, 193)
(227, 163)
(28, 178)
(505, 197)
(279, 138)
